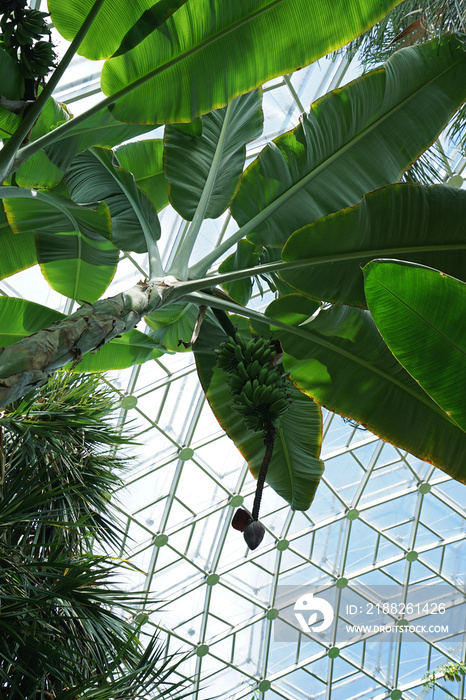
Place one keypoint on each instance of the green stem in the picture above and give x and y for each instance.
(269, 442)
(7, 155)
(224, 321)
(155, 263)
(180, 265)
(192, 285)
(201, 267)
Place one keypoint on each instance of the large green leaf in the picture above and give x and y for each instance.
(20, 318)
(353, 140)
(420, 313)
(101, 129)
(295, 470)
(205, 171)
(18, 251)
(133, 348)
(145, 160)
(73, 249)
(211, 51)
(340, 359)
(39, 171)
(93, 176)
(404, 221)
(172, 323)
(119, 26)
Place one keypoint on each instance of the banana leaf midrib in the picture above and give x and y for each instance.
(196, 284)
(180, 266)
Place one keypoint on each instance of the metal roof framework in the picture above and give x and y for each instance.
(381, 520)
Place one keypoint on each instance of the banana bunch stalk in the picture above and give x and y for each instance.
(258, 390)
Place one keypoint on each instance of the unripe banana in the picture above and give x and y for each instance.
(253, 369)
(271, 378)
(263, 353)
(241, 369)
(249, 350)
(257, 393)
(248, 390)
(239, 341)
(245, 399)
(265, 395)
(239, 353)
(258, 389)
(236, 384)
(263, 374)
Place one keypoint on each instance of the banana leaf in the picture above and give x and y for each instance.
(73, 248)
(93, 175)
(404, 221)
(204, 171)
(210, 51)
(419, 313)
(353, 140)
(341, 361)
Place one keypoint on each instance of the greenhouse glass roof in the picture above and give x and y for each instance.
(385, 530)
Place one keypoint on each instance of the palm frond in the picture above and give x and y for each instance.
(67, 628)
(62, 440)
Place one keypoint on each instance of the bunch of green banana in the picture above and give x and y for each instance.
(38, 60)
(21, 36)
(257, 386)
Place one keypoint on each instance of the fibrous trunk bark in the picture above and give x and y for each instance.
(28, 363)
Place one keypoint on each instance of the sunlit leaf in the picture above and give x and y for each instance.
(101, 129)
(211, 51)
(18, 251)
(144, 160)
(73, 249)
(171, 324)
(133, 348)
(419, 312)
(118, 27)
(19, 318)
(39, 171)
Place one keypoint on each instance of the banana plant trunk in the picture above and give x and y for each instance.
(27, 364)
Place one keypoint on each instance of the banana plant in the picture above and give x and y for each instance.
(316, 205)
